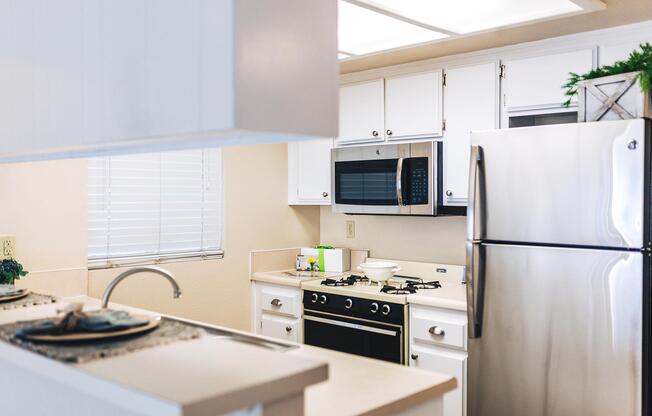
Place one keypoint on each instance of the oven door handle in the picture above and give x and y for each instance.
(353, 326)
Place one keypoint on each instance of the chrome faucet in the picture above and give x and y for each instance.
(143, 269)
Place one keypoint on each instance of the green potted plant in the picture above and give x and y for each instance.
(10, 271)
(639, 62)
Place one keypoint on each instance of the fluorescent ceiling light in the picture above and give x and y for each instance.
(364, 31)
(465, 16)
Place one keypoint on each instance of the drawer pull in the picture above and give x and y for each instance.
(436, 330)
(288, 329)
(277, 303)
(414, 356)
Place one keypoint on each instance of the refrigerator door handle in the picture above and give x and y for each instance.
(475, 206)
(475, 273)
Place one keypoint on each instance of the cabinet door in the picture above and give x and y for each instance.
(610, 53)
(446, 362)
(470, 103)
(413, 106)
(309, 172)
(362, 112)
(536, 82)
(279, 327)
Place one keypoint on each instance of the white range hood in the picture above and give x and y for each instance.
(92, 77)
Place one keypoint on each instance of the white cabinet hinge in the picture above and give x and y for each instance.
(502, 71)
(443, 125)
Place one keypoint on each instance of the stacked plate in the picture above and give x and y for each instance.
(10, 292)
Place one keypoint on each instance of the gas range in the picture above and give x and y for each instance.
(354, 315)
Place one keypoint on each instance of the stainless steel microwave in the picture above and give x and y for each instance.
(394, 179)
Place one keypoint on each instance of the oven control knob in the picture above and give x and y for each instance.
(323, 299)
(314, 298)
(348, 303)
(386, 309)
(374, 307)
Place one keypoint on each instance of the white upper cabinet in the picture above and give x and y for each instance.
(612, 52)
(309, 172)
(413, 106)
(89, 77)
(470, 98)
(536, 83)
(362, 112)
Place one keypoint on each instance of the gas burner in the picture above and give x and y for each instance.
(345, 281)
(424, 285)
(393, 290)
(341, 282)
(357, 278)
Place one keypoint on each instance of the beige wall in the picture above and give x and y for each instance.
(256, 216)
(430, 239)
(47, 214)
(44, 206)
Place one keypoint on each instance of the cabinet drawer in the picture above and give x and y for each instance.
(279, 327)
(280, 300)
(438, 327)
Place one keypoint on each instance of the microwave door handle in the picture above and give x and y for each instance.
(399, 181)
(475, 264)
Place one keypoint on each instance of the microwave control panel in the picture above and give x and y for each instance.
(417, 181)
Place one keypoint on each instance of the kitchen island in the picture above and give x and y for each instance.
(211, 375)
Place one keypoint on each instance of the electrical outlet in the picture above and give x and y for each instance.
(8, 246)
(350, 229)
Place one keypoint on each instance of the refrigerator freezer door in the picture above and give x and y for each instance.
(561, 333)
(572, 184)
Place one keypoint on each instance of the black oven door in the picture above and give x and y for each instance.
(368, 339)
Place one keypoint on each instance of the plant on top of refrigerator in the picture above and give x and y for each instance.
(640, 60)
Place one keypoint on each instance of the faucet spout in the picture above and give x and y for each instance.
(143, 269)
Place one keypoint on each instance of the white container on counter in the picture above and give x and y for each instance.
(335, 259)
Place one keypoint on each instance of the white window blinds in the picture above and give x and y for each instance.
(153, 207)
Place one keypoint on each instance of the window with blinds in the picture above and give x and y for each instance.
(149, 208)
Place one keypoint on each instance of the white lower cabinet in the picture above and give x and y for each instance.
(279, 327)
(438, 343)
(277, 311)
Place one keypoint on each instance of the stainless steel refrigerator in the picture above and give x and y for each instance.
(558, 270)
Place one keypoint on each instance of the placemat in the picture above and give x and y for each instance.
(33, 299)
(80, 352)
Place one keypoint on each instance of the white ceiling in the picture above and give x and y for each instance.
(368, 26)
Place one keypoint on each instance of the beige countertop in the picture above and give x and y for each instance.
(293, 278)
(364, 386)
(215, 375)
(449, 296)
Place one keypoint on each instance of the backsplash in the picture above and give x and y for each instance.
(426, 239)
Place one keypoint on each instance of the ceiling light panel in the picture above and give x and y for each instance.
(364, 31)
(465, 16)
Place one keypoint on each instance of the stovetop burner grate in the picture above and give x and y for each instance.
(393, 290)
(345, 281)
(424, 285)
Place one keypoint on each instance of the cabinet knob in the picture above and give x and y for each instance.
(288, 329)
(632, 145)
(374, 133)
(277, 303)
(414, 356)
(436, 330)
(324, 194)
(389, 132)
(449, 193)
